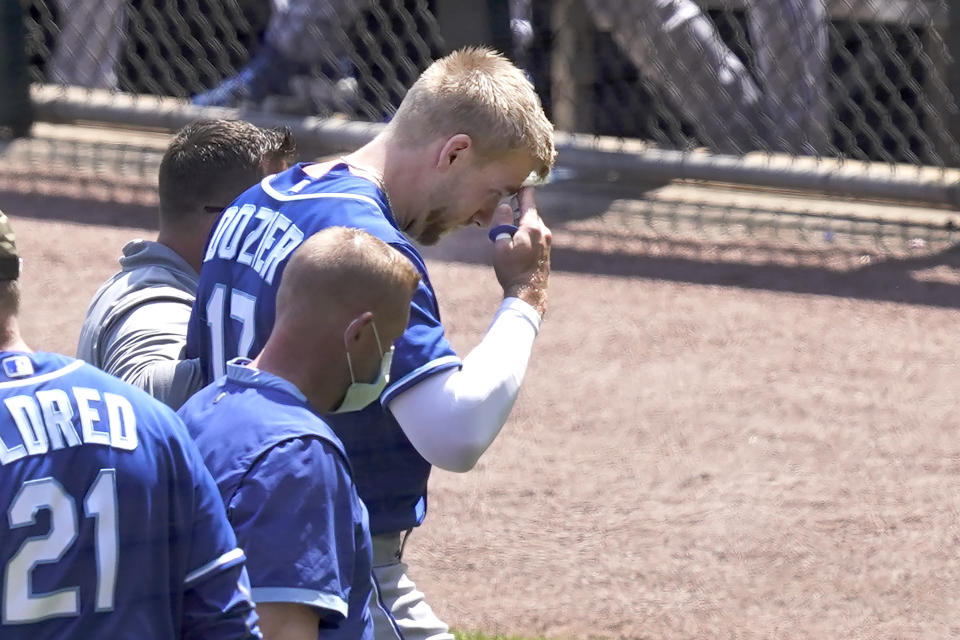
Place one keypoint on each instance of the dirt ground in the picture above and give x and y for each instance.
(704, 447)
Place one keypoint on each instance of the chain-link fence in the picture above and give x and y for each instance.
(306, 57)
(864, 79)
(851, 99)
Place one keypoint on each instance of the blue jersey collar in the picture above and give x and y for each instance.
(339, 169)
(239, 372)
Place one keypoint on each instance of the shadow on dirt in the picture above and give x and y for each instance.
(137, 212)
(932, 280)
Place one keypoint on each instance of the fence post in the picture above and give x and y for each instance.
(573, 66)
(16, 113)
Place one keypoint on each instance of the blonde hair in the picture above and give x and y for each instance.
(477, 91)
(343, 270)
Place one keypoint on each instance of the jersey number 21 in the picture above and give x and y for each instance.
(20, 604)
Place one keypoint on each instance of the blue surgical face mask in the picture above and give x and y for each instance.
(360, 394)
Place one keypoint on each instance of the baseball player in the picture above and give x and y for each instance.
(112, 525)
(466, 136)
(283, 474)
(136, 325)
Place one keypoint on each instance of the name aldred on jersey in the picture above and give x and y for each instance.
(44, 422)
(258, 237)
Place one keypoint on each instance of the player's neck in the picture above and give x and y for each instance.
(10, 338)
(186, 243)
(320, 391)
(396, 166)
(371, 158)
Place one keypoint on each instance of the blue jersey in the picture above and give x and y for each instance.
(111, 527)
(287, 487)
(235, 308)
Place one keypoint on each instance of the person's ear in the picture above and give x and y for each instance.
(354, 330)
(455, 148)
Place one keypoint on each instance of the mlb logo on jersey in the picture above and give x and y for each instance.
(17, 367)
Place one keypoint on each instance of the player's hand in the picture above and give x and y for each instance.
(522, 263)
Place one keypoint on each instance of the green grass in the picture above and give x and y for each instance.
(476, 635)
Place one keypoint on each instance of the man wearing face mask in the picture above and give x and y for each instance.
(282, 473)
(467, 135)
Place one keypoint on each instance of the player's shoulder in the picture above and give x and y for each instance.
(24, 371)
(249, 399)
(301, 448)
(338, 197)
(244, 416)
(86, 373)
(312, 455)
(272, 413)
(18, 368)
(89, 389)
(146, 264)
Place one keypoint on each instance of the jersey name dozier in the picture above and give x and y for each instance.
(260, 238)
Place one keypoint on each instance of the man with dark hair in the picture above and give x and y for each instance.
(209, 163)
(113, 526)
(136, 325)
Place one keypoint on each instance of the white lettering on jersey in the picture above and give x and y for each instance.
(280, 224)
(89, 416)
(43, 421)
(231, 237)
(123, 422)
(8, 454)
(274, 235)
(266, 216)
(26, 415)
(57, 414)
(225, 221)
(291, 240)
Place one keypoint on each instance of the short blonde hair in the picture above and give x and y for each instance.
(477, 91)
(346, 270)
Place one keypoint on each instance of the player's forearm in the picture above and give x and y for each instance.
(219, 608)
(151, 362)
(144, 348)
(287, 621)
(451, 418)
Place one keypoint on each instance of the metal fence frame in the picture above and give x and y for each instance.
(580, 156)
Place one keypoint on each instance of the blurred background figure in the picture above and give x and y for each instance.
(677, 48)
(87, 48)
(300, 33)
(764, 89)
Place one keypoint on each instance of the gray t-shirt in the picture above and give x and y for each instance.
(136, 326)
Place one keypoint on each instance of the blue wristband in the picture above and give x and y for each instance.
(508, 229)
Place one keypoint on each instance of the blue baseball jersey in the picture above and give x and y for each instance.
(112, 527)
(286, 483)
(235, 309)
